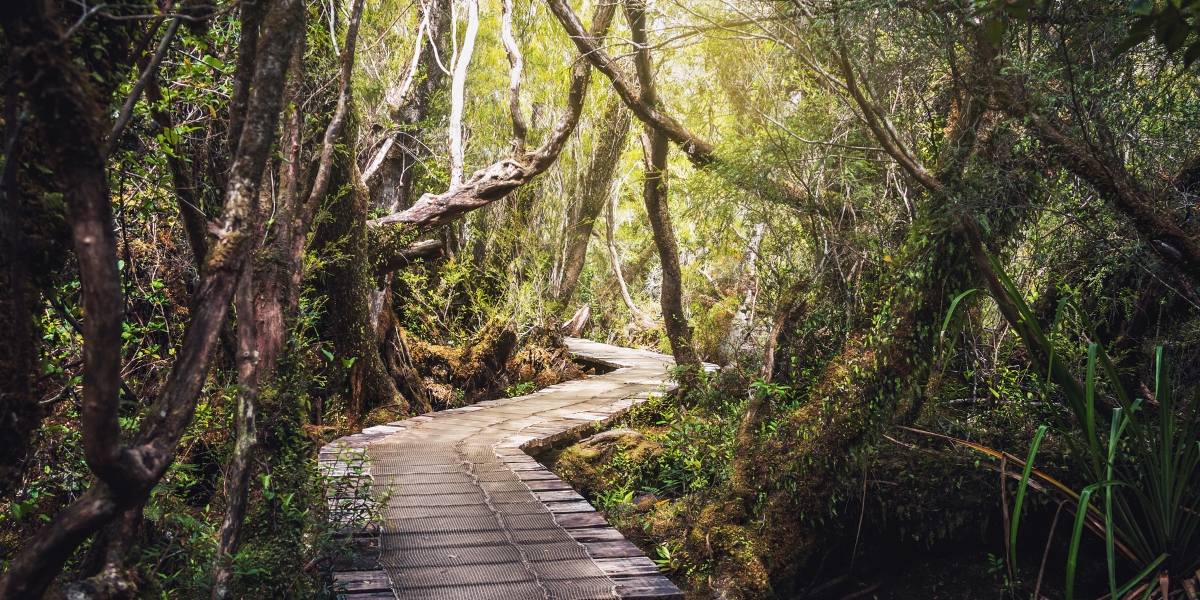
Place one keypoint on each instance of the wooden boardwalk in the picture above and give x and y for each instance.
(471, 515)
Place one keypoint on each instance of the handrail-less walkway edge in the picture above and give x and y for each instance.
(471, 515)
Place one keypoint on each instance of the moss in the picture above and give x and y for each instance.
(346, 279)
(592, 465)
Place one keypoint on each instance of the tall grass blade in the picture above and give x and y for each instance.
(1077, 532)
(1141, 576)
(1114, 436)
(1016, 521)
(1076, 536)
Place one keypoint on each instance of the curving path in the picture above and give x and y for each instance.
(470, 515)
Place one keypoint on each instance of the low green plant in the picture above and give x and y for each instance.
(616, 499)
(520, 389)
(1142, 474)
(667, 557)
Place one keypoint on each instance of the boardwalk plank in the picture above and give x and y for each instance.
(436, 467)
(648, 588)
(362, 581)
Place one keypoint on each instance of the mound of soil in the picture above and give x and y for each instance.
(496, 363)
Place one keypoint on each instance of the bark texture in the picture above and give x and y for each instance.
(656, 145)
(20, 411)
(237, 479)
(499, 179)
(516, 64)
(63, 101)
(592, 193)
(347, 281)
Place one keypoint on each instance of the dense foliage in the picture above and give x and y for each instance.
(946, 256)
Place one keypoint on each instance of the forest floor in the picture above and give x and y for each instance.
(931, 528)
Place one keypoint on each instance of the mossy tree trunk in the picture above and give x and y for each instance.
(883, 371)
(391, 185)
(656, 146)
(20, 411)
(347, 279)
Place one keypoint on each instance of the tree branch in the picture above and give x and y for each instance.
(425, 249)
(699, 151)
(334, 129)
(501, 178)
(516, 64)
(149, 73)
(1112, 181)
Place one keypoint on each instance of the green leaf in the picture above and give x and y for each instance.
(1141, 7)
(1140, 576)
(327, 354)
(1165, 28)
(995, 32)
(1129, 42)
(213, 62)
(1178, 39)
(1016, 521)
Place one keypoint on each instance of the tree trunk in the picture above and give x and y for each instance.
(747, 290)
(237, 479)
(635, 271)
(278, 270)
(593, 192)
(679, 333)
(20, 412)
(391, 182)
(458, 93)
(883, 369)
(62, 97)
(656, 146)
(347, 284)
(640, 320)
(393, 232)
(516, 64)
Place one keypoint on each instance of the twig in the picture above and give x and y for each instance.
(863, 592)
(83, 17)
(861, 512)
(68, 390)
(162, 556)
(1046, 555)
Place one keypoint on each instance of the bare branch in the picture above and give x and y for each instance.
(458, 93)
(423, 250)
(699, 151)
(516, 64)
(499, 179)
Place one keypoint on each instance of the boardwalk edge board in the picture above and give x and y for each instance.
(347, 469)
